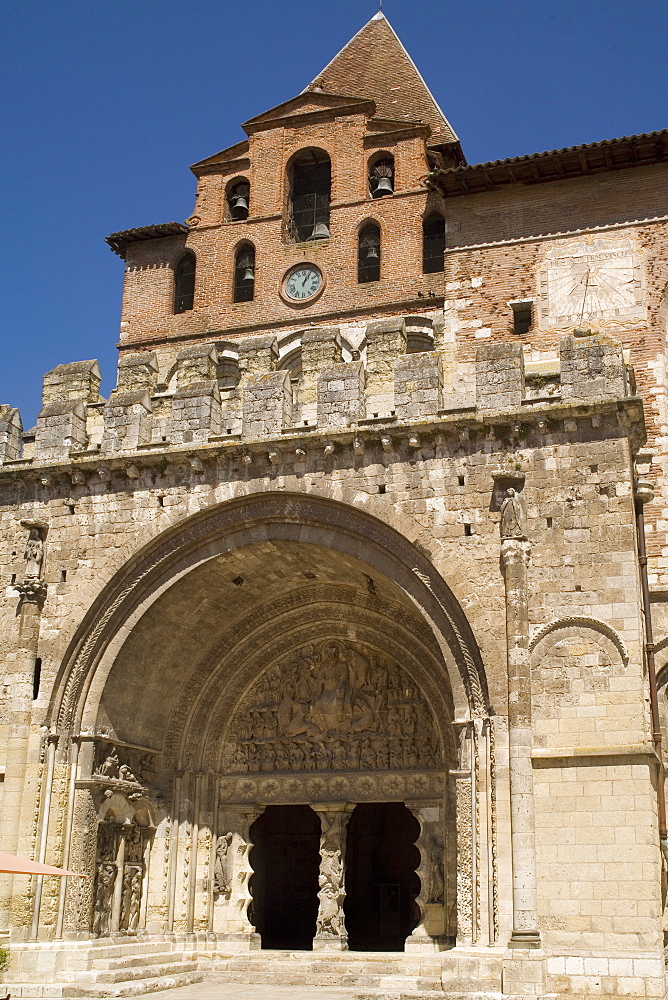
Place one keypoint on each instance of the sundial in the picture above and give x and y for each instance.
(594, 281)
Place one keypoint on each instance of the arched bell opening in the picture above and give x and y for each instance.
(285, 859)
(381, 882)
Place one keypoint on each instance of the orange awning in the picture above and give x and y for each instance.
(10, 864)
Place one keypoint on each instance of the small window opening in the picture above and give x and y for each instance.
(36, 677)
(549, 522)
(70, 508)
(382, 488)
(184, 284)
(368, 254)
(310, 195)
(13, 578)
(63, 576)
(433, 244)
(238, 200)
(381, 177)
(244, 274)
(161, 501)
(522, 316)
(467, 530)
(460, 480)
(593, 468)
(238, 581)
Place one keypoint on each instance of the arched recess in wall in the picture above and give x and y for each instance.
(381, 174)
(309, 181)
(237, 199)
(184, 282)
(368, 252)
(433, 243)
(379, 552)
(244, 273)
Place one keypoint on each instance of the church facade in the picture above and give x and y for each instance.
(336, 639)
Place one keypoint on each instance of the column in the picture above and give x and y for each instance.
(19, 680)
(524, 971)
(330, 928)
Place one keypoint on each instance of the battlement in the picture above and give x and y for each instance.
(255, 388)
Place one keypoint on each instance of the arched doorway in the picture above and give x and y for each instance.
(381, 880)
(279, 653)
(285, 859)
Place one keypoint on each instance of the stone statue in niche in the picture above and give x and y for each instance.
(222, 869)
(104, 891)
(331, 707)
(513, 516)
(34, 550)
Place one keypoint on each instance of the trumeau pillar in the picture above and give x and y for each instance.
(19, 675)
(330, 928)
(524, 963)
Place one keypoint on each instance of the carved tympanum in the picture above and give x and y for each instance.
(333, 707)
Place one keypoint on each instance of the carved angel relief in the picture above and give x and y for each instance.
(334, 707)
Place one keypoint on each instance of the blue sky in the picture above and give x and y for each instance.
(105, 104)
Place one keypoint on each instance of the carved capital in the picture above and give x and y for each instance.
(32, 590)
(515, 551)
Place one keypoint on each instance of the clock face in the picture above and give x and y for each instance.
(303, 282)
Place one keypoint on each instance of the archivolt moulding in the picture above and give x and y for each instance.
(581, 621)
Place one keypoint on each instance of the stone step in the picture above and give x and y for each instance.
(348, 979)
(132, 987)
(141, 959)
(125, 973)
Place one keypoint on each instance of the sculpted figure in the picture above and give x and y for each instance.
(111, 765)
(106, 876)
(34, 554)
(222, 869)
(513, 518)
(436, 876)
(125, 774)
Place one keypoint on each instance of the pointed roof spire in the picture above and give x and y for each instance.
(374, 64)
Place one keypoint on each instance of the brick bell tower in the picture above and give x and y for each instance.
(322, 215)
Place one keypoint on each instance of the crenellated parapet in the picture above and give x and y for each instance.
(397, 372)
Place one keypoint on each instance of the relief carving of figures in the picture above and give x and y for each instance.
(104, 891)
(331, 707)
(131, 897)
(127, 764)
(223, 867)
(436, 877)
(331, 890)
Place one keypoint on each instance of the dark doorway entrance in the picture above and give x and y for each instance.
(285, 859)
(381, 879)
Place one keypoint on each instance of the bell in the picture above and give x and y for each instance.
(320, 231)
(372, 253)
(239, 206)
(248, 276)
(383, 187)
